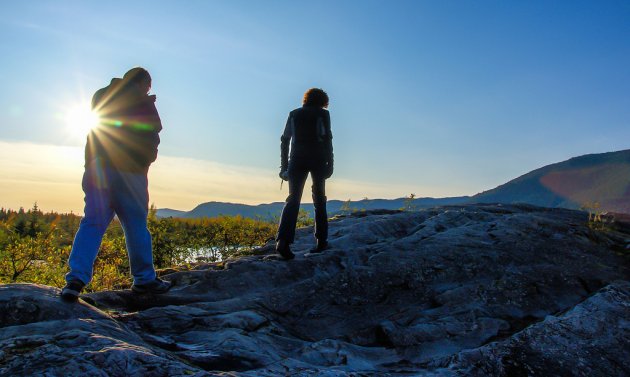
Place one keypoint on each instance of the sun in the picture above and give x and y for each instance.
(80, 119)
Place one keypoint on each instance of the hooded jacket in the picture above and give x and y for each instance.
(127, 136)
(308, 131)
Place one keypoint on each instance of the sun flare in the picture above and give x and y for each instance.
(80, 119)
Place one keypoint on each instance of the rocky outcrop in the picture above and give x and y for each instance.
(451, 291)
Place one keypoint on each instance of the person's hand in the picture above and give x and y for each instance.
(284, 175)
(329, 169)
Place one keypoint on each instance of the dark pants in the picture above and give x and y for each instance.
(298, 172)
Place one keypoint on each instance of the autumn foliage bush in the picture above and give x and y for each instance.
(34, 246)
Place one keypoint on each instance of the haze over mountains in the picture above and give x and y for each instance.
(595, 180)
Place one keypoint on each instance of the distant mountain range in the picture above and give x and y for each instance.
(272, 210)
(595, 180)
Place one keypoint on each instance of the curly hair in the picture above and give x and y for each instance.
(315, 97)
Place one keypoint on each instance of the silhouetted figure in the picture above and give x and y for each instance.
(117, 158)
(308, 131)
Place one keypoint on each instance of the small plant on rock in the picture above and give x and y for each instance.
(408, 203)
(597, 219)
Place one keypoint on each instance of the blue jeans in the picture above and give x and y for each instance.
(109, 192)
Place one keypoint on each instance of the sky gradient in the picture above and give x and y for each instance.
(438, 98)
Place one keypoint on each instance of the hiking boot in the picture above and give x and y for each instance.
(72, 290)
(282, 247)
(157, 286)
(321, 246)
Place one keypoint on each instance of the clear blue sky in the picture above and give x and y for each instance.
(438, 97)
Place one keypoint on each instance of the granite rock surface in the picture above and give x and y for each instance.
(481, 290)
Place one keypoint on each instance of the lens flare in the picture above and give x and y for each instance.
(80, 119)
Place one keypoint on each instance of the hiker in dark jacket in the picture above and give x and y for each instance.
(118, 154)
(307, 134)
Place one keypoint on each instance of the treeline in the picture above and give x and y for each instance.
(34, 246)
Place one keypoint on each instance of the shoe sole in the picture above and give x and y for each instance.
(141, 291)
(282, 248)
(286, 254)
(319, 249)
(70, 295)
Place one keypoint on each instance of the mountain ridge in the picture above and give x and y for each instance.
(274, 209)
(596, 181)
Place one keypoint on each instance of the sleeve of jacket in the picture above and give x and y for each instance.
(285, 143)
(144, 128)
(92, 142)
(329, 145)
(151, 136)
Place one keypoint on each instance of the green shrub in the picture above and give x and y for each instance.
(34, 246)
